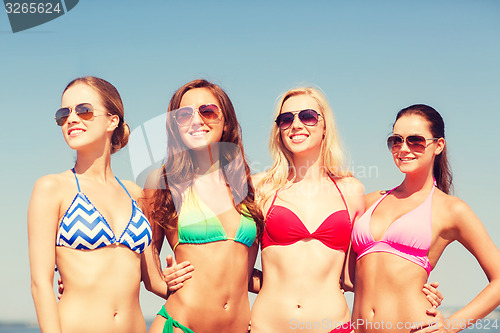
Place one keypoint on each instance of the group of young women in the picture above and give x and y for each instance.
(307, 212)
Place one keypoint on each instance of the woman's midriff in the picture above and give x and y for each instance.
(101, 290)
(301, 290)
(388, 295)
(215, 299)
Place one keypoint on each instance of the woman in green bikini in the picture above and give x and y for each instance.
(202, 201)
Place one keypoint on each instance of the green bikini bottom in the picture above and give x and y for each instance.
(171, 323)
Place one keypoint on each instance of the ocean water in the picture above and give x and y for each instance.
(20, 328)
(491, 324)
(28, 328)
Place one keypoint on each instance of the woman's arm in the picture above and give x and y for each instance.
(43, 215)
(161, 283)
(347, 280)
(171, 279)
(255, 275)
(354, 193)
(470, 232)
(156, 281)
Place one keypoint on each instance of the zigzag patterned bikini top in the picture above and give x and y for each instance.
(84, 228)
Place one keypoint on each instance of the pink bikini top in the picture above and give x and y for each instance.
(409, 236)
(284, 227)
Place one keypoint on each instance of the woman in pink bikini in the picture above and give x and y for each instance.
(404, 232)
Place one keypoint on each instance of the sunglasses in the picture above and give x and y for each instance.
(308, 117)
(414, 142)
(210, 113)
(84, 110)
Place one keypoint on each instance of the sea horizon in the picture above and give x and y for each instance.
(490, 323)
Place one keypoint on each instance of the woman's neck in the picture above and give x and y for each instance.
(308, 169)
(95, 165)
(207, 160)
(417, 182)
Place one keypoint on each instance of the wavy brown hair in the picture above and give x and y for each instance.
(179, 172)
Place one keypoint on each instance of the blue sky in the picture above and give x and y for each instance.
(370, 58)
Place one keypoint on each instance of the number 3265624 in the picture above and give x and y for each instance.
(32, 8)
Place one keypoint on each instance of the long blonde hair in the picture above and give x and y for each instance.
(332, 156)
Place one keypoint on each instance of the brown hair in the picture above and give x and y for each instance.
(178, 172)
(442, 168)
(112, 101)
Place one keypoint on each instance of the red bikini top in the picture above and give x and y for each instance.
(284, 227)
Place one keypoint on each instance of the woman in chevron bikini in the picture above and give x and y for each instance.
(86, 222)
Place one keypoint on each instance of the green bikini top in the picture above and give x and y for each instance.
(197, 224)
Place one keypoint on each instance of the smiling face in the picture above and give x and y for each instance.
(80, 133)
(198, 134)
(300, 138)
(414, 160)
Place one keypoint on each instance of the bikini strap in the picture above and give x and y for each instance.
(338, 188)
(429, 198)
(76, 178)
(123, 187)
(272, 203)
(389, 192)
(274, 199)
(341, 195)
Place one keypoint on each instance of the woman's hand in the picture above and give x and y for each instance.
(175, 274)
(437, 324)
(433, 295)
(61, 288)
(255, 281)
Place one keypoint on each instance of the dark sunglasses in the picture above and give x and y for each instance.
(84, 110)
(308, 117)
(414, 142)
(210, 113)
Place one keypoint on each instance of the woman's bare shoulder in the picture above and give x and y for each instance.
(257, 177)
(452, 207)
(351, 181)
(372, 197)
(53, 182)
(351, 187)
(132, 188)
(152, 181)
